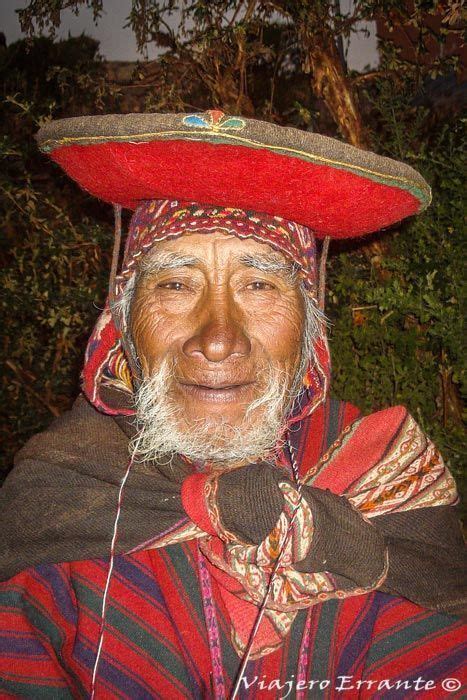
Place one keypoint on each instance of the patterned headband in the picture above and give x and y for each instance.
(160, 220)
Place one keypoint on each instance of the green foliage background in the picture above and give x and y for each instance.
(396, 330)
(397, 333)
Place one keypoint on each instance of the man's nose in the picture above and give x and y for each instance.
(219, 335)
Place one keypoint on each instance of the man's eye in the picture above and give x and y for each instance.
(174, 286)
(260, 286)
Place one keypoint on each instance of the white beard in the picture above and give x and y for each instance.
(163, 429)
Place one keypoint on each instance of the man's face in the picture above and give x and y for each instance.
(220, 312)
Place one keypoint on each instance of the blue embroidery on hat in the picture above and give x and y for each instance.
(215, 120)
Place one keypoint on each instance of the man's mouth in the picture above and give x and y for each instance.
(217, 393)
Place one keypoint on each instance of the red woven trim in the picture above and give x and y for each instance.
(371, 437)
(194, 502)
(156, 221)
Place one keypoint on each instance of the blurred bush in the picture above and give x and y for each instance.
(396, 334)
(55, 242)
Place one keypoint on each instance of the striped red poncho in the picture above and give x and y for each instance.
(170, 619)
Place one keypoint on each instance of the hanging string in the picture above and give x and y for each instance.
(115, 253)
(112, 299)
(107, 583)
(322, 273)
(262, 609)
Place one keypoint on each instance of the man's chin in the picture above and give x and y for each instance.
(214, 414)
(215, 418)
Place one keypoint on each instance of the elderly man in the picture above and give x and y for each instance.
(206, 521)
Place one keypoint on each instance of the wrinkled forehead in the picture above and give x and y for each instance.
(170, 221)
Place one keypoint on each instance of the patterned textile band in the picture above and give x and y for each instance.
(160, 220)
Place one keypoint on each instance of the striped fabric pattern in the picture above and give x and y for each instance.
(156, 642)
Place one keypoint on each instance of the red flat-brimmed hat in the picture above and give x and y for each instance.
(335, 189)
